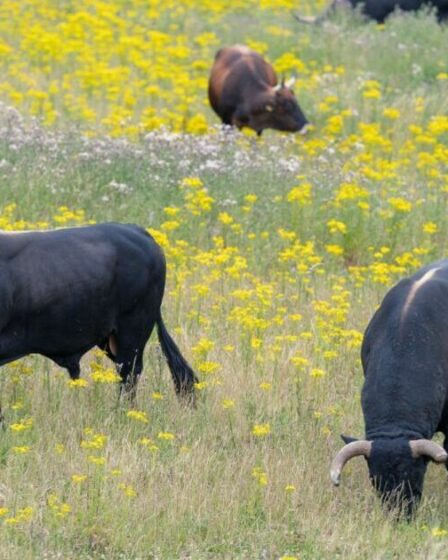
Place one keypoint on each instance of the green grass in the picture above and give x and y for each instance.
(216, 490)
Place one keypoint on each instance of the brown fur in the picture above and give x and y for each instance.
(242, 91)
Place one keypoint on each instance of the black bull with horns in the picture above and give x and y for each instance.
(405, 394)
(379, 10)
(65, 291)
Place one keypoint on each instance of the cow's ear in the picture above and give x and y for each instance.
(348, 439)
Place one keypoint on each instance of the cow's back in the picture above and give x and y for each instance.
(97, 256)
(237, 72)
(77, 282)
(405, 354)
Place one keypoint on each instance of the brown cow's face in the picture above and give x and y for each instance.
(279, 111)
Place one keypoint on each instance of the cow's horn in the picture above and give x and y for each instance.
(316, 19)
(349, 451)
(277, 87)
(307, 19)
(428, 448)
(289, 83)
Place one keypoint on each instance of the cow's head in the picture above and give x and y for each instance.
(278, 109)
(397, 467)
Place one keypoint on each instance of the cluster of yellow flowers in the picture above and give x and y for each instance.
(280, 297)
(118, 71)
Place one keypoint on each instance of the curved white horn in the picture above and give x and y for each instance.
(290, 83)
(349, 451)
(428, 448)
(323, 16)
(307, 19)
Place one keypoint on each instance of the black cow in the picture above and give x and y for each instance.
(405, 395)
(243, 91)
(379, 10)
(65, 291)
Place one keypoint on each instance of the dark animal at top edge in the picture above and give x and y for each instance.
(244, 92)
(379, 10)
(405, 394)
(65, 291)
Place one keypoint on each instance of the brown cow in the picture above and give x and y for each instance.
(243, 91)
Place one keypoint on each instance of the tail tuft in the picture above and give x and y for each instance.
(183, 376)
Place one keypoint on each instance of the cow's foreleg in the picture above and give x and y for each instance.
(70, 363)
(240, 119)
(74, 370)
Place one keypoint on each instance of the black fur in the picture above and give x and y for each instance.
(405, 394)
(65, 291)
(379, 10)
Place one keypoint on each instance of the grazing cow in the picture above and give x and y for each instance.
(405, 395)
(379, 10)
(65, 291)
(244, 92)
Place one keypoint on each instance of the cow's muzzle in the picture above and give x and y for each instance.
(305, 129)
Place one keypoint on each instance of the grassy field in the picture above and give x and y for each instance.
(278, 250)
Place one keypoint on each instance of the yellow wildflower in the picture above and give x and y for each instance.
(261, 430)
(228, 403)
(78, 478)
(138, 415)
(77, 383)
(167, 436)
(430, 227)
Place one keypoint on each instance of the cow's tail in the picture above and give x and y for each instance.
(183, 376)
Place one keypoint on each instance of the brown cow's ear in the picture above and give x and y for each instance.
(269, 108)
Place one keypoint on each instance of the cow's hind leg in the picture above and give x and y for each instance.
(129, 343)
(129, 364)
